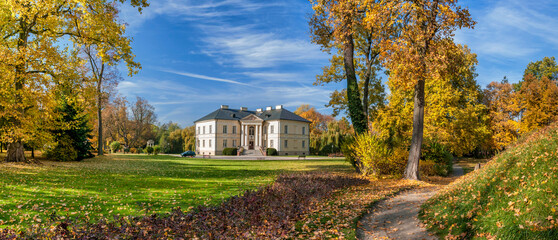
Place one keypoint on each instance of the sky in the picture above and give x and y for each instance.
(199, 55)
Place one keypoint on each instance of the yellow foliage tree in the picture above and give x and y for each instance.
(33, 54)
(539, 98)
(417, 52)
(503, 108)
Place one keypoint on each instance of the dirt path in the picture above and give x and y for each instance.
(397, 217)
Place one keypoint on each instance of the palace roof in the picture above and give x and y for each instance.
(238, 114)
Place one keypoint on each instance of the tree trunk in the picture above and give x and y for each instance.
(353, 95)
(16, 152)
(99, 121)
(32, 152)
(412, 170)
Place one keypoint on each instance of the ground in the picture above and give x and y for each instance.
(397, 217)
(132, 185)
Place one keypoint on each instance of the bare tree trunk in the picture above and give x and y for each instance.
(16, 152)
(32, 152)
(412, 170)
(99, 120)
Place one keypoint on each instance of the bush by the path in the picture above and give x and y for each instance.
(515, 196)
(270, 212)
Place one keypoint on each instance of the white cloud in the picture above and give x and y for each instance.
(199, 76)
(190, 10)
(249, 48)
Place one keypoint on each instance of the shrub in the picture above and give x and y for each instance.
(133, 150)
(139, 151)
(126, 149)
(427, 168)
(229, 151)
(148, 150)
(271, 152)
(62, 151)
(114, 146)
(156, 149)
(376, 156)
(438, 153)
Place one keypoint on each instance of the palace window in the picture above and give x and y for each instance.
(286, 129)
(234, 143)
(203, 143)
(234, 130)
(198, 130)
(286, 143)
(210, 129)
(203, 129)
(209, 143)
(303, 131)
(225, 143)
(271, 129)
(271, 143)
(302, 143)
(225, 129)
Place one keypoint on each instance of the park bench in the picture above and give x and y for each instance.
(302, 156)
(206, 156)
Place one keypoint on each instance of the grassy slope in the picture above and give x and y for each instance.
(515, 196)
(132, 185)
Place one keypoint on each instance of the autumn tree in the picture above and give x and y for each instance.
(334, 24)
(117, 125)
(503, 109)
(416, 52)
(367, 66)
(539, 98)
(32, 53)
(547, 67)
(143, 120)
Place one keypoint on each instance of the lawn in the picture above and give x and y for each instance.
(132, 185)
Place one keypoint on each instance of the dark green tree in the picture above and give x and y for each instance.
(71, 133)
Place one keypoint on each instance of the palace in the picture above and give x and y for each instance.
(254, 131)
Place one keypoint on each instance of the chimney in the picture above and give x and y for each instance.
(243, 108)
(259, 110)
(268, 108)
(224, 106)
(279, 107)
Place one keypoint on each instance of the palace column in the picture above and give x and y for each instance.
(257, 135)
(241, 135)
(245, 135)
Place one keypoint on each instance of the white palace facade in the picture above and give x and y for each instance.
(254, 131)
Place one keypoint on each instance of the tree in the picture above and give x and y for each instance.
(334, 25)
(143, 119)
(417, 51)
(31, 34)
(539, 98)
(189, 136)
(503, 108)
(547, 67)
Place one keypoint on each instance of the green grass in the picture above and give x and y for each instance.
(515, 196)
(132, 185)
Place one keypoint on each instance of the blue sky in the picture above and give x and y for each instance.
(197, 55)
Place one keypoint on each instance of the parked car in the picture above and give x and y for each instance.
(188, 154)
